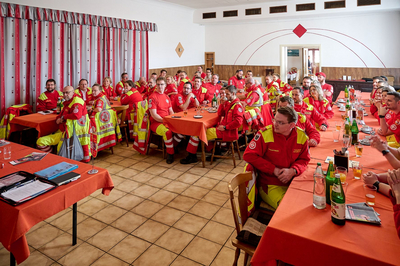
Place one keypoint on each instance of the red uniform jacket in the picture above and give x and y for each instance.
(309, 128)
(396, 210)
(181, 99)
(119, 88)
(311, 113)
(393, 122)
(328, 87)
(75, 112)
(306, 93)
(131, 97)
(85, 95)
(211, 89)
(232, 119)
(181, 83)
(48, 100)
(268, 150)
(201, 94)
(323, 107)
(109, 92)
(283, 86)
(149, 92)
(238, 83)
(170, 89)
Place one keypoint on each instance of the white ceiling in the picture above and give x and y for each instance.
(214, 3)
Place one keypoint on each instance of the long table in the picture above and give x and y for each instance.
(299, 234)
(16, 221)
(44, 124)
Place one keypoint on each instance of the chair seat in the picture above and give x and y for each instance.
(245, 247)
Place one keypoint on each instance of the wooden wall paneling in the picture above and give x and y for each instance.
(359, 73)
(227, 71)
(172, 70)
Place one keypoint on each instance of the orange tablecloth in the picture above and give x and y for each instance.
(15, 222)
(299, 234)
(44, 124)
(191, 126)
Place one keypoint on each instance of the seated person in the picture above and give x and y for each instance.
(238, 80)
(130, 97)
(213, 86)
(272, 89)
(318, 120)
(283, 86)
(200, 92)
(72, 115)
(151, 87)
(197, 74)
(119, 88)
(108, 90)
(186, 100)
(84, 91)
(394, 182)
(317, 100)
(171, 89)
(376, 103)
(326, 88)
(163, 73)
(141, 85)
(183, 78)
(268, 154)
(306, 86)
(390, 119)
(48, 100)
(208, 77)
(303, 123)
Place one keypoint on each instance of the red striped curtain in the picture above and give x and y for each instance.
(37, 44)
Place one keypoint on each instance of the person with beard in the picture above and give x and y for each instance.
(316, 99)
(213, 86)
(317, 119)
(201, 92)
(141, 85)
(283, 86)
(119, 88)
(185, 100)
(326, 88)
(151, 87)
(306, 86)
(48, 99)
(183, 79)
(237, 80)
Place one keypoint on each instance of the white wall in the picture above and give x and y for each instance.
(379, 31)
(175, 24)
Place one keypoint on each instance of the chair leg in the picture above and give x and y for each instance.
(237, 254)
(246, 258)
(212, 154)
(112, 150)
(233, 154)
(163, 147)
(238, 149)
(127, 136)
(148, 144)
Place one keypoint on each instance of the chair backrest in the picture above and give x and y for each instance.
(123, 116)
(239, 181)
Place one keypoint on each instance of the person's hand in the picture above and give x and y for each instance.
(380, 132)
(59, 121)
(370, 178)
(221, 128)
(312, 143)
(244, 104)
(276, 171)
(382, 110)
(322, 128)
(286, 174)
(378, 144)
(394, 182)
(205, 103)
(191, 95)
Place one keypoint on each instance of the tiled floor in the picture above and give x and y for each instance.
(157, 214)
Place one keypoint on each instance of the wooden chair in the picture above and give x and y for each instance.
(124, 126)
(231, 148)
(249, 133)
(160, 144)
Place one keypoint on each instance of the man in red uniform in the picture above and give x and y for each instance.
(130, 97)
(200, 92)
(317, 119)
(237, 80)
(213, 86)
(119, 88)
(375, 81)
(84, 91)
(141, 85)
(48, 99)
(151, 87)
(283, 86)
(163, 73)
(272, 89)
(183, 79)
(279, 153)
(202, 74)
(186, 100)
(302, 122)
(326, 88)
(390, 119)
(159, 107)
(306, 86)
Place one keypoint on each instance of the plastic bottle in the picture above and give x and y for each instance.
(319, 200)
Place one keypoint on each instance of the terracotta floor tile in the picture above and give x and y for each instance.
(127, 153)
(156, 170)
(113, 159)
(237, 170)
(226, 167)
(129, 222)
(224, 216)
(113, 196)
(109, 214)
(142, 177)
(163, 197)
(36, 258)
(171, 174)
(129, 249)
(43, 235)
(155, 256)
(198, 170)
(96, 193)
(215, 174)
(154, 159)
(182, 261)
(195, 192)
(36, 226)
(138, 157)
(102, 164)
(88, 228)
(128, 202)
(114, 168)
(216, 198)
(201, 250)
(204, 209)
(141, 166)
(191, 223)
(216, 232)
(128, 172)
(228, 243)
(117, 180)
(59, 246)
(5, 256)
(108, 260)
(128, 185)
(92, 206)
(226, 257)
(188, 178)
(167, 216)
(229, 177)
(107, 238)
(159, 182)
(145, 191)
(182, 203)
(222, 187)
(85, 254)
(57, 215)
(206, 182)
(127, 162)
(176, 186)
(174, 240)
(147, 208)
(65, 221)
(150, 231)
(163, 163)
(183, 167)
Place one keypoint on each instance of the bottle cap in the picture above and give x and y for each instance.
(318, 164)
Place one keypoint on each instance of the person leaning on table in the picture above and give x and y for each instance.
(279, 152)
(394, 182)
(389, 119)
(48, 100)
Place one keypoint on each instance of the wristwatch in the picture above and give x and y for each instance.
(194, 97)
(381, 116)
(295, 171)
(376, 184)
(384, 152)
(224, 127)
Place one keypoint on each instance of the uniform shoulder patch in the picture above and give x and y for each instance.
(252, 145)
(240, 110)
(257, 136)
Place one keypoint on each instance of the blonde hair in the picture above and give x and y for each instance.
(172, 78)
(319, 91)
(109, 79)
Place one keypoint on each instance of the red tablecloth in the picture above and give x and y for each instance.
(44, 124)
(15, 222)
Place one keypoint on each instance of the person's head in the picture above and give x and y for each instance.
(178, 72)
(249, 82)
(321, 77)
(197, 74)
(393, 101)
(316, 92)
(269, 79)
(154, 76)
(107, 82)
(163, 73)
(83, 84)
(182, 75)
(222, 93)
(276, 76)
(208, 72)
(68, 93)
(215, 79)
(96, 90)
(306, 83)
(385, 91)
(382, 83)
(124, 77)
(249, 74)
(50, 85)
(142, 81)
(230, 92)
(378, 93)
(297, 95)
(169, 79)
(375, 81)
(285, 120)
(384, 78)
(197, 83)
(285, 101)
(161, 84)
(200, 69)
(128, 85)
(187, 88)
(239, 74)
(152, 83)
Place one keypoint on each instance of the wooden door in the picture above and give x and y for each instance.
(209, 60)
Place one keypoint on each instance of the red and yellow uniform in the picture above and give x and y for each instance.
(181, 83)
(393, 123)
(283, 86)
(149, 92)
(48, 100)
(86, 96)
(181, 99)
(141, 89)
(322, 106)
(273, 91)
(109, 92)
(255, 99)
(161, 103)
(171, 88)
(309, 128)
(238, 83)
(312, 114)
(11, 112)
(268, 150)
(202, 94)
(328, 87)
(211, 89)
(119, 88)
(131, 98)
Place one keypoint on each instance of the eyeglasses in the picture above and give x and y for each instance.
(279, 122)
(67, 92)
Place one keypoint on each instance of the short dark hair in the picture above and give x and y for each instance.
(190, 83)
(51, 80)
(162, 78)
(377, 77)
(287, 99)
(83, 80)
(300, 90)
(96, 85)
(249, 71)
(290, 113)
(395, 94)
(163, 70)
(237, 71)
(124, 74)
(276, 74)
(184, 72)
(154, 73)
(208, 69)
(130, 83)
(384, 78)
(306, 77)
(232, 89)
(197, 78)
(179, 71)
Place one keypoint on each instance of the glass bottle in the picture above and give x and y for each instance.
(354, 132)
(338, 205)
(319, 200)
(330, 177)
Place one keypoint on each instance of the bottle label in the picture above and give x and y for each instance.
(319, 201)
(338, 210)
(336, 188)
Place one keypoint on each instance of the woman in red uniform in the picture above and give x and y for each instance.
(317, 100)
(130, 97)
(108, 90)
(171, 89)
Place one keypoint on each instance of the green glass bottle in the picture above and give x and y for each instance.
(347, 127)
(354, 132)
(346, 92)
(338, 205)
(330, 178)
(214, 101)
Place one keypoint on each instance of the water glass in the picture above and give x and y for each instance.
(346, 141)
(370, 194)
(336, 135)
(342, 171)
(7, 152)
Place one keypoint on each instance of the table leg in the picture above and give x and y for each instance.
(203, 155)
(12, 260)
(74, 223)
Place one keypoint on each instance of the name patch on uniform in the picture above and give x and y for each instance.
(273, 150)
(296, 150)
(257, 136)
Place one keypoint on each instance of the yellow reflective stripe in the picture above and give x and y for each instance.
(301, 136)
(268, 134)
(302, 118)
(306, 100)
(60, 93)
(43, 97)
(129, 93)
(76, 100)
(203, 90)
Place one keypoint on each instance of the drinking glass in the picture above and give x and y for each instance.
(359, 149)
(357, 171)
(336, 135)
(185, 113)
(346, 141)
(370, 194)
(7, 152)
(342, 171)
(338, 126)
